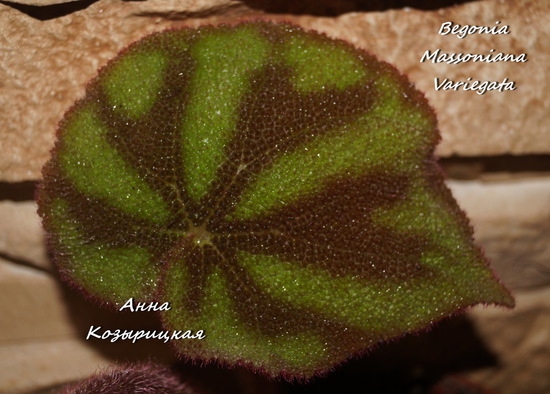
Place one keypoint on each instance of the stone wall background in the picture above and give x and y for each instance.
(495, 148)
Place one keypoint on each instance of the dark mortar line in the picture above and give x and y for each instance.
(329, 8)
(52, 11)
(18, 191)
(315, 8)
(24, 263)
(459, 167)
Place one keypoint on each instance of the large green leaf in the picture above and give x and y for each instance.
(277, 187)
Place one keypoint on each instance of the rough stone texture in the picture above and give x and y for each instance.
(514, 122)
(44, 66)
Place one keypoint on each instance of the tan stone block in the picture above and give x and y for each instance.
(513, 122)
(32, 306)
(21, 234)
(45, 65)
(511, 220)
(31, 366)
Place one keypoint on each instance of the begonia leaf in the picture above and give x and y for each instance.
(278, 188)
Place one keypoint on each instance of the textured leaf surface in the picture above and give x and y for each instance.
(278, 188)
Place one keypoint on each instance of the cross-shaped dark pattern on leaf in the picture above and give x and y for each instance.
(277, 187)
